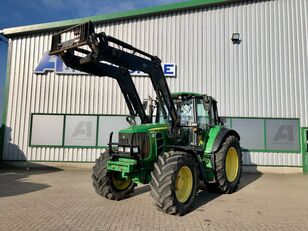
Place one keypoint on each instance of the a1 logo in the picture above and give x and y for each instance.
(83, 129)
(284, 133)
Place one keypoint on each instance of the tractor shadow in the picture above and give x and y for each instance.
(204, 196)
(249, 175)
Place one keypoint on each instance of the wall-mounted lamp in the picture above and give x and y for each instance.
(236, 38)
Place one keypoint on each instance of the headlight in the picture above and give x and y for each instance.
(127, 149)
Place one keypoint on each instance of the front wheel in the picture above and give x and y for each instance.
(110, 184)
(174, 183)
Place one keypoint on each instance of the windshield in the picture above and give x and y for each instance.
(185, 112)
(184, 109)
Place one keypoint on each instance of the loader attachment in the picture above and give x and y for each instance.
(102, 48)
(81, 35)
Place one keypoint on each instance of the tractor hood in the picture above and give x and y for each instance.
(144, 128)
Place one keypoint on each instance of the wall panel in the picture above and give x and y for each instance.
(264, 76)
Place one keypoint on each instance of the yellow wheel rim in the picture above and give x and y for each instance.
(183, 184)
(232, 163)
(120, 183)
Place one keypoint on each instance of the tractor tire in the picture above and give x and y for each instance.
(109, 184)
(228, 166)
(174, 183)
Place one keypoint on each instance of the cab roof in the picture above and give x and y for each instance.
(176, 94)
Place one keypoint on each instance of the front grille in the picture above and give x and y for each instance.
(140, 140)
(159, 143)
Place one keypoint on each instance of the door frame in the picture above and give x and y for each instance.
(304, 145)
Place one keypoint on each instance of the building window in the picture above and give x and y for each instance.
(92, 131)
(251, 132)
(268, 134)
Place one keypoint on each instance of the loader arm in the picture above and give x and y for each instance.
(108, 49)
(122, 76)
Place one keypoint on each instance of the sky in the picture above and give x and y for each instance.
(15, 13)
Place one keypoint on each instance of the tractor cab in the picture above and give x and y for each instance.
(197, 113)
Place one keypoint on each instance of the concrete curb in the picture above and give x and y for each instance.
(273, 170)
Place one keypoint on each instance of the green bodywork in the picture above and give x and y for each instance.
(208, 143)
(140, 172)
(142, 128)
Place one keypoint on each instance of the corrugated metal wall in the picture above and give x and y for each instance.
(264, 76)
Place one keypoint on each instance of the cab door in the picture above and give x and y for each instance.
(202, 120)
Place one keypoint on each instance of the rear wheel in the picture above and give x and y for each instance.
(110, 184)
(228, 165)
(174, 182)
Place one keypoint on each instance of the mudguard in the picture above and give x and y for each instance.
(222, 134)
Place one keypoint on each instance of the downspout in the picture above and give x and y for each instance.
(3, 39)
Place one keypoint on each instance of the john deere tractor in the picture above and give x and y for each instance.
(180, 144)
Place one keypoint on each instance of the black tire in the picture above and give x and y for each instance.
(164, 180)
(103, 182)
(223, 184)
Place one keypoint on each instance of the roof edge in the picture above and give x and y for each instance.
(162, 9)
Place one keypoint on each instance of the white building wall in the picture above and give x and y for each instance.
(264, 76)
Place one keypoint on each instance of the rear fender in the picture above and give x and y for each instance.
(218, 137)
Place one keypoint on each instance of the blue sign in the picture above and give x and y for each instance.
(54, 64)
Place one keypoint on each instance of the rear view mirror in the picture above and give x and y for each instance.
(207, 103)
(145, 104)
(222, 120)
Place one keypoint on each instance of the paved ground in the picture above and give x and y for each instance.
(65, 200)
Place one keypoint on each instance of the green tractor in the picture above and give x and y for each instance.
(181, 144)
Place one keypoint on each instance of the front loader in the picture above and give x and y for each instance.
(181, 144)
